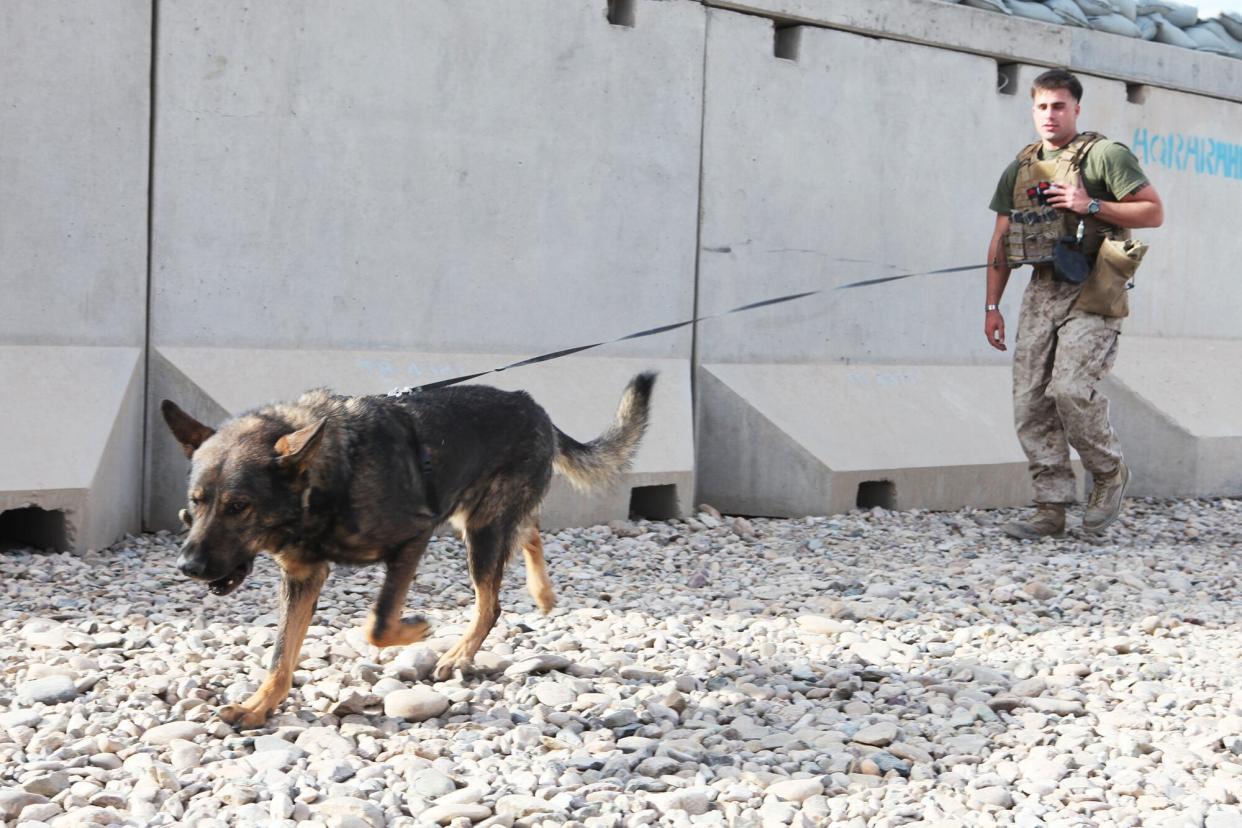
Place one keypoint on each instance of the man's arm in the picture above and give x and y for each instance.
(998, 277)
(1141, 208)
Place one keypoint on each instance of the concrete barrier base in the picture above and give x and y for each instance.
(70, 445)
(792, 440)
(580, 394)
(1177, 407)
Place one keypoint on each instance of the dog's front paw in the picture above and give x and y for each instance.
(242, 717)
(450, 662)
(407, 631)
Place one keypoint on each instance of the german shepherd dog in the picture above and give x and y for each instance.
(357, 480)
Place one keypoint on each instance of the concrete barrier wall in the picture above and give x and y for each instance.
(443, 178)
(466, 177)
(867, 157)
(1191, 147)
(447, 175)
(74, 91)
(859, 158)
(75, 84)
(831, 155)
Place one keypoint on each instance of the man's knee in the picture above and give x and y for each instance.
(1070, 394)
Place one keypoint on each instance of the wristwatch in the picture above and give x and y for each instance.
(1093, 207)
(988, 308)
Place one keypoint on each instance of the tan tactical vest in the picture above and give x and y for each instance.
(1034, 227)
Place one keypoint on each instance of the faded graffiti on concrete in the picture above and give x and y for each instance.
(1188, 153)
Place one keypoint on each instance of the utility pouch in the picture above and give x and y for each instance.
(1069, 263)
(1105, 291)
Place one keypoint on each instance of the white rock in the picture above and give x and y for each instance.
(432, 784)
(795, 790)
(691, 800)
(165, 734)
(554, 695)
(12, 801)
(875, 653)
(469, 795)
(444, 814)
(324, 741)
(1059, 707)
(20, 718)
(879, 734)
(184, 755)
(39, 812)
(48, 690)
(415, 663)
(823, 625)
(416, 704)
(1029, 688)
(521, 805)
(993, 795)
(350, 808)
(545, 663)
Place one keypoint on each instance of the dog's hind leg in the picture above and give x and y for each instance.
(385, 627)
(488, 548)
(299, 591)
(537, 582)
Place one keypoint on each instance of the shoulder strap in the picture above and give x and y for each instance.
(1082, 144)
(1029, 153)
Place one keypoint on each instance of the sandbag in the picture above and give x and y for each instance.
(1166, 32)
(1232, 21)
(1207, 40)
(1147, 26)
(1234, 45)
(1096, 8)
(1034, 11)
(1127, 8)
(1181, 15)
(1117, 24)
(989, 5)
(1154, 6)
(1069, 12)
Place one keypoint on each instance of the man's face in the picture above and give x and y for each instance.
(1056, 115)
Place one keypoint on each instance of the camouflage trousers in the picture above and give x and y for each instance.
(1059, 360)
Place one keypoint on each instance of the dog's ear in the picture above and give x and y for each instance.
(296, 449)
(190, 433)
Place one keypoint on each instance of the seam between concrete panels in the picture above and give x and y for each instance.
(698, 237)
(146, 340)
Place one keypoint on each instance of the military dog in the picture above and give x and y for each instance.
(356, 480)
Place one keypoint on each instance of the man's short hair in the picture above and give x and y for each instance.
(1058, 79)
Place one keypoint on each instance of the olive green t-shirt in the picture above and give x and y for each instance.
(1110, 172)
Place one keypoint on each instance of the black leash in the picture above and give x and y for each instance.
(763, 303)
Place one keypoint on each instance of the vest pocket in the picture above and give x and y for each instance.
(1106, 290)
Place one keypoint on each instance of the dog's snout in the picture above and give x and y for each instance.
(192, 564)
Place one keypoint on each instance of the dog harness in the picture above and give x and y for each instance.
(423, 455)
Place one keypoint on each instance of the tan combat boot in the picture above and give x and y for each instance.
(1106, 497)
(1048, 522)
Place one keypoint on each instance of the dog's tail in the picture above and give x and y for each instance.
(600, 462)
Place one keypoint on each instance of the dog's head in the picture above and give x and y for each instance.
(245, 492)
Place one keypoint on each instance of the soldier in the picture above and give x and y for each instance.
(1056, 205)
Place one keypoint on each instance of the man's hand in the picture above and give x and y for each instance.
(1067, 196)
(994, 329)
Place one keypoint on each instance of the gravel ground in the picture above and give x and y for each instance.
(870, 669)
